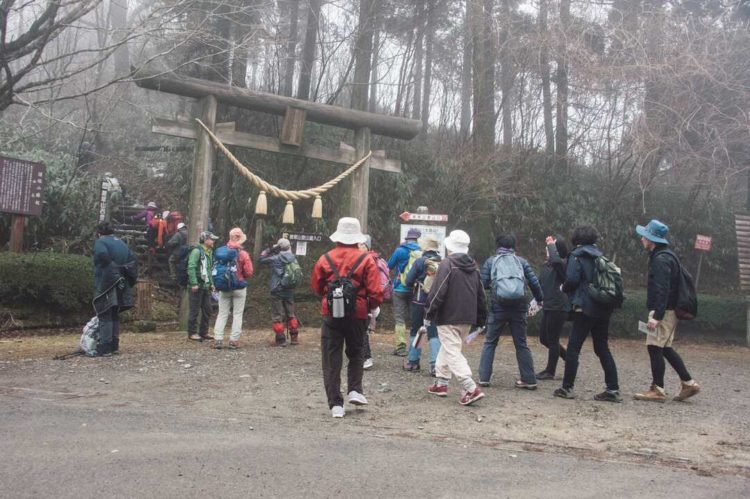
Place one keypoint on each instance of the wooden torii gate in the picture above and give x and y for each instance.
(295, 113)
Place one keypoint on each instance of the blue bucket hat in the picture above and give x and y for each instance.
(655, 232)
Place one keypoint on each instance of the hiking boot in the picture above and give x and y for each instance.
(356, 398)
(281, 340)
(469, 398)
(687, 391)
(439, 390)
(368, 364)
(411, 366)
(655, 394)
(195, 337)
(337, 411)
(564, 393)
(544, 375)
(400, 351)
(608, 396)
(218, 344)
(234, 345)
(294, 338)
(524, 385)
(207, 337)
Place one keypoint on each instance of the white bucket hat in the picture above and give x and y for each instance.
(348, 231)
(457, 242)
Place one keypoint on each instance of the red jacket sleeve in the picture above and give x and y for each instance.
(319, 276)
(247, 264)
(372, 283)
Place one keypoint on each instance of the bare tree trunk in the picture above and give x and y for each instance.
(506, 76)
(549, 131)
(466, 75)
(373, 106)
(484, 76)
(118, 18)
(291, 48)
(428, 64)
(402, 85)
(418, 54)
(308, 50)
(561, 137)
(363, 55)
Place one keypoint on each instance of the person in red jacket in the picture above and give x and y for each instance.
(236, 298)
(345, 261)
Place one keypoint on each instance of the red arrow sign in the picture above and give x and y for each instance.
(423, 217)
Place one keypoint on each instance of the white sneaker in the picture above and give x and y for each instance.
(368, 364)
(337, 411)
(357, 398)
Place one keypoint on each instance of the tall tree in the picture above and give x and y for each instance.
(363, 54)
(419, 23)
(376, 46)
(308, 50)
(561, 79)
(506, 73)
(549, 130)
(483, 62)
(429, 39)
(291, 48)
(466, 60)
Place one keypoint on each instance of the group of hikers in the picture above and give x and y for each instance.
(442, 299)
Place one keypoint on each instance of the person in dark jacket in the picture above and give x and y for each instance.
(456, 304)
(342, 260)
(556, 306)
(174, 246)
(115, 272)
(282, 299)
(509, 311)
(589, 316)
(420, 278)
(661, 300)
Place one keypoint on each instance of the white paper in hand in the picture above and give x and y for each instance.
(473, 335)
(643, 328)
(419, 338)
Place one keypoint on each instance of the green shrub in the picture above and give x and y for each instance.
(60, 282)
(718, 316)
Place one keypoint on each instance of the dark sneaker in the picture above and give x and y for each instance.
(544, 375)
(433, 372)
(564, 393)
(607, 396)
(469, 398)
(484, 383)
(411, 366)
(400, 351)
(207, 337)
(218, 344)
(294, 338)
(281, 340)
(439, 390)
(524, 385)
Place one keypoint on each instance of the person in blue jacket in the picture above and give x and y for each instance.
(398, 262)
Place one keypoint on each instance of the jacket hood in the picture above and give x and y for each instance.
(589, 249)
(463, 261)
(410, 245)
(286, 256)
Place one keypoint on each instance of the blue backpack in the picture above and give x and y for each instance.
(507, 277)
(225, 270)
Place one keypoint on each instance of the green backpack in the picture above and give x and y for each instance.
(413, 256)
(292, 275)
(606, 287)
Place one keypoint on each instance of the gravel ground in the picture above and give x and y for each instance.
(706, 435)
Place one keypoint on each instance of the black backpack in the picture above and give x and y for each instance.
(183, 255)
(686, 308)
(606, 286)
(342, 293)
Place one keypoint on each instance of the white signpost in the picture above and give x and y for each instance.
(411, 221)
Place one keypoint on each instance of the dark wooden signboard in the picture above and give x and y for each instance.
(21, 186)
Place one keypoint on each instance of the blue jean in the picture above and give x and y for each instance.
(599, 329)
(417, 316)
(513, 314)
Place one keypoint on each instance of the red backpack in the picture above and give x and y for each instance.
(385, 280)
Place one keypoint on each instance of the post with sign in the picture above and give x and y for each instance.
(702, 245)
(21, 189)
(428, 224)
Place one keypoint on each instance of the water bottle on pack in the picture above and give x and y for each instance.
(339, 308)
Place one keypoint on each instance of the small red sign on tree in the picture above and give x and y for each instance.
(703, 243)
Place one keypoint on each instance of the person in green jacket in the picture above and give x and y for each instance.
(201, 284)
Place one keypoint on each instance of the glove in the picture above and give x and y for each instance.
(426, 323)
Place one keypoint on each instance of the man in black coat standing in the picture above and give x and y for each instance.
(661, 300)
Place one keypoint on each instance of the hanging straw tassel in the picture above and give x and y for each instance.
(261, 205)
(288, 214)
(317, 208)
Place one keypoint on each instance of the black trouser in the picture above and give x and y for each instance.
(549, 336)
(599, 329)
(109, 331)
(200, 303)
(334, 333)
(658, 367)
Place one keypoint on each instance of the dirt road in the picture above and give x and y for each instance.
(273, 400)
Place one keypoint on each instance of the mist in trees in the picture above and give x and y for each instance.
(537, 115)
